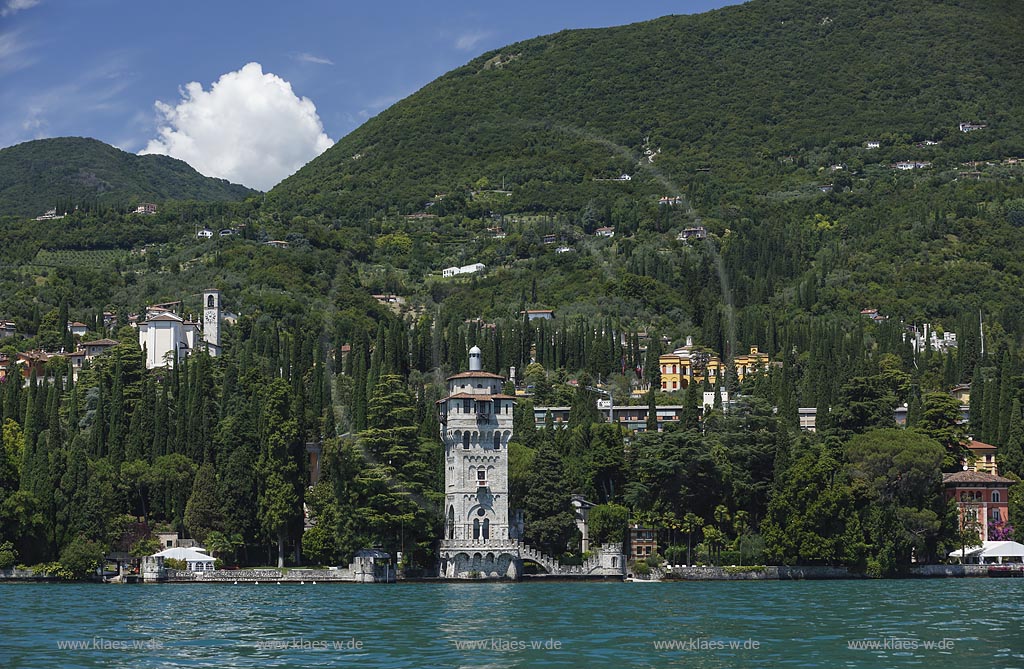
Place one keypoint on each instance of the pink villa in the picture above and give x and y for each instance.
(982, 498)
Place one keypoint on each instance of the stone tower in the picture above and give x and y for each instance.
(476, 426)
(211, 320)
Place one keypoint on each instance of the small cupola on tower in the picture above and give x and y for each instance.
(475, 359)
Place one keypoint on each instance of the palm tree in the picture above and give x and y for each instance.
(714, 538)
(689, 524)
(219, 542)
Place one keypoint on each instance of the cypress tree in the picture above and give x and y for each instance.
(652, 411)
(98, 436)
(977, 404)
(692, 408)
(1007, 391)
(160, 423)
(991, 408)
(1011, 455)
(115, 439)
(203, 509)
(359, 384)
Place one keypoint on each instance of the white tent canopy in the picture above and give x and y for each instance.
(194, 557)
(992, 552)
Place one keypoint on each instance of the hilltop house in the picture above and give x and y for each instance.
(873, 315)
(146, 208)
(77, 329)
(51, 214)
(605, 231)
(696, 232)
(465, 269)
(912, 165)
(967, 126)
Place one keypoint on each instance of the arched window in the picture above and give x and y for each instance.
(211, 303)
(465, 439)
(995, 495)
(487, 528)
(476, 528)
(451, 522)
(615, 562)
(497, 446)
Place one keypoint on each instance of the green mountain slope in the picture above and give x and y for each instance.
(35, 175)
(729, 90)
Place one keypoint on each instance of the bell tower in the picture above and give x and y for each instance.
(211, 320)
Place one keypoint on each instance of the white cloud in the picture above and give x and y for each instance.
(467, 41)
(12, 6)
(310, 58)
(249, 128)
(13, 52)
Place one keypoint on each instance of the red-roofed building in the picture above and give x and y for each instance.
(982, 500)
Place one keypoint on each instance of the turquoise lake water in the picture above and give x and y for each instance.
(927, 623)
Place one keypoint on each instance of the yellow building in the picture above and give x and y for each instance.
(695, 363)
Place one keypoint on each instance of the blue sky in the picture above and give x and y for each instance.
(98, 68)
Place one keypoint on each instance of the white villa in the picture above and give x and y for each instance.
(465, 269)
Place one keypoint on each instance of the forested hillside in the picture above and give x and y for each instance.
(49, 173)
(718, 99)
(755, 214)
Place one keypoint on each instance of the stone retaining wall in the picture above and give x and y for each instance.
(767, 573)
(14, 574)
(260, 575)
(950, 570)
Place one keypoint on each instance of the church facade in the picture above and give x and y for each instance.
(167, 337)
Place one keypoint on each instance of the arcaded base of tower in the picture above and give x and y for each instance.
(480, 560)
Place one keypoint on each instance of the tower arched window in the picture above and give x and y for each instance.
(451, 522)
(995, 496)
(487, 528)
(497, 442)
(476, 528)
(211, 303)
(465, 439)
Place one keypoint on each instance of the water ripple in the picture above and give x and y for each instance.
(592, 625)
